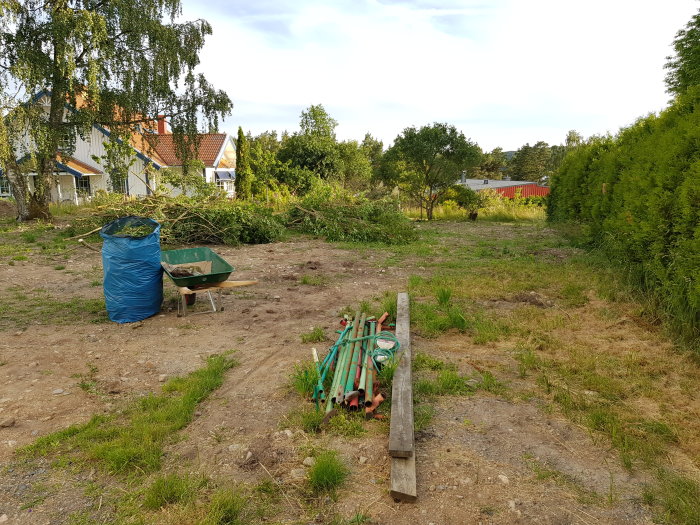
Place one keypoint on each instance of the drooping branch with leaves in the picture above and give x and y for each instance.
(115, 63)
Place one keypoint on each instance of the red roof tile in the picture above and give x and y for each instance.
(209, 148)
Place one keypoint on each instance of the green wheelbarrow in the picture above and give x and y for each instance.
(195, 270)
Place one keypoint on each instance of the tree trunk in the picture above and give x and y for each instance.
(20, 192)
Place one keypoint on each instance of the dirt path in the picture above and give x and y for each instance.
(484, 459)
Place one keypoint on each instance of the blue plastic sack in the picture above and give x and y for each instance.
(133, 276)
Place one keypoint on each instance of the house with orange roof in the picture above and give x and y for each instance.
(80, 175)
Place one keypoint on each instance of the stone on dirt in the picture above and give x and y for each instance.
(309, 461)
(7, 423)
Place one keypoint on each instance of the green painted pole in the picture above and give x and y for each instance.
(349, 382)
(342, 363)
(370, 347)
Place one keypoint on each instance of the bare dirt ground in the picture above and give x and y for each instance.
(474, 462)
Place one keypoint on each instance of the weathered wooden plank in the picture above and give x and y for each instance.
(403, 479)
(401, 430)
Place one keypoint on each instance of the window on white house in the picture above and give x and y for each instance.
(82, 185)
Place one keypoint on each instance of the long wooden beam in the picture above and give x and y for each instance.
(401, 438)
(401, 429)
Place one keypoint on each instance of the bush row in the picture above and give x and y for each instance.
(638, 197)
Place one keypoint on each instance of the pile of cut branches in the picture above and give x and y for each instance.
(356, 219)
(186, 220)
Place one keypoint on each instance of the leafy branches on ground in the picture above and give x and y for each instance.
(338, 216)
(186, 220)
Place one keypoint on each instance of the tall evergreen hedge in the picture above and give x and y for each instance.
(638, 197)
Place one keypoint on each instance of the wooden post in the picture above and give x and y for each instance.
(401, 439)
(401, 429)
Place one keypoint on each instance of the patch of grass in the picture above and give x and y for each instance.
(59, 267)
(574, 295)
(133, 440)
(675, 498)
(313, 280)
(96, 282)
(328, 473)
(169, 489)
(446, 383)
(227, 507)
(20, 258)
(434, 320)
(316, 335)
(23, 308)
(358, 519)
(443, 296)
(423, 361)
(348, 425)
(545, 473)
(386, 374)
(29, 236)
(304, 378)
(423, 414)
(309, 420)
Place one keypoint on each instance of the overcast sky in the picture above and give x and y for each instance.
(505, 72)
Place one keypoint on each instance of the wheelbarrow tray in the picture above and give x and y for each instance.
(220, 269)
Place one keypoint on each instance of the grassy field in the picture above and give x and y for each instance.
(561, 322)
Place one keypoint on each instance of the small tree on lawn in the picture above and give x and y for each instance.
(425, 162)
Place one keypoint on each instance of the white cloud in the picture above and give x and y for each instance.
(505, 72)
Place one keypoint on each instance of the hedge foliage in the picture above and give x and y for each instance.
(638, 197)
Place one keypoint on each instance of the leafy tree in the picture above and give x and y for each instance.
(427, 161)
(684, 67)
(557, 153)
(126, 62)
(492, 165)
(316, 121)
(355, 169)
(373, 150)
(314, 148)
(531, 162)
(263, 161)
(244, 175)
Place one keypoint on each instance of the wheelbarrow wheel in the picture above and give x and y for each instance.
(190, 299)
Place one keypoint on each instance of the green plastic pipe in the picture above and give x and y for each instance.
(369, 387)
(348, 381)
(347, 369)
(342, 362)
(370, 345)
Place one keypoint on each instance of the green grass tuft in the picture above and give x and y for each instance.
(422, 416)
(304, 378)
(313, 280)
(348, 425)
(314, 336)
(328, 473)
(169, 489)
(227, 507)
